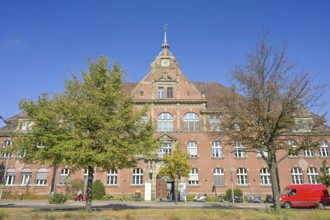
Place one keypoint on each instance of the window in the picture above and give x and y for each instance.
(263, 152)
(219, 177)
(10, 177)
(170, 92)
(309, 153)
(21, 154)
(265, 176)
(26, 125)
(112, 177)
(312, 175)
(166, 148)
(193, 177)
(216, 149)
(303, 125)
(6, 146)
(215, 122)
(137, 176)
(297, 177)
(160, 92)
(239, 150)
(41, 178)
(324, 149)
(191, 122)
(165, 122)
(25, 177)
(292, 148)
(192, 149)
(242, 177)
(64, 177)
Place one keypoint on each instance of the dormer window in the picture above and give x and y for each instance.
(303, 125)
(161, 92)
(170, 92)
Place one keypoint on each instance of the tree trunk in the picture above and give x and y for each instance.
(176, 189)
(89, 190)
(275, 186)
(53, 184)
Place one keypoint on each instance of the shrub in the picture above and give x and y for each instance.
(98, 189)
(3, 215)
(58, 198)
(237, 192)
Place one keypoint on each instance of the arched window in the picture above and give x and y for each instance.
(308, 152)
(265, 176)
(312, 175)
(297, 176)
(165, 122)
(216, 149)
(41, 178)
(25, 178)
(242, 176)
(192, 149)
(219, 177)
(137, 176)
(193, 177)
(191, 122)
(324, 149)
(112, 177)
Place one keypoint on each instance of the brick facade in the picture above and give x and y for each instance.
(167, 90)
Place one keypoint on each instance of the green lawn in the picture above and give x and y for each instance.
(166, 214)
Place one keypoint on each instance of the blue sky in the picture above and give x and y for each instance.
(41, 42)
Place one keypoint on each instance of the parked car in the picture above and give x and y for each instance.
(305, 195)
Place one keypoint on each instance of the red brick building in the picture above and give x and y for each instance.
(181, 111)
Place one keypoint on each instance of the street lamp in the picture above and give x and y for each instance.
(8, 155)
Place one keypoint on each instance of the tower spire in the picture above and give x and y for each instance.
(165, 44)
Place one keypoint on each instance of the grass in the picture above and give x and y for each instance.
(166, 214)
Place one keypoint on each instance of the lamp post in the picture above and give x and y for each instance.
(231, 178)
(8, 155)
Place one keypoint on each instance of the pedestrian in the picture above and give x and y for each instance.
(80, 196)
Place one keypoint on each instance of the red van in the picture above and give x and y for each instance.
(305, 195)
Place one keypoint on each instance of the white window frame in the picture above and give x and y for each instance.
(65, 173)
(217, 149)
(166, 148)
(242, 176)
(193, 178)
(219, 176)
(6, 144)
(324, 149)
(297, 175)
(265, 177)
(309, 153)
(10, 178)
(112, 177)
(215, 122)
(312, 175)
(41, 181)
(191, 122)
(292, 144)
(192, 148)
(165, 122)
(137, 176)
(239, 150)
(161, 92)
(25, 178)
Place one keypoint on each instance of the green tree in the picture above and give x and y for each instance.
(267, 99)
(325, 177)
(98, 189)
(176, 166)
(91, 124)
